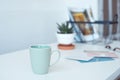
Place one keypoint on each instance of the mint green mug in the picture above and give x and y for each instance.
(40, 56)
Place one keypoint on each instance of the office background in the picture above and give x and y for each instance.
(26, 22)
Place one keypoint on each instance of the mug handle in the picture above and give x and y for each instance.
(53, 52)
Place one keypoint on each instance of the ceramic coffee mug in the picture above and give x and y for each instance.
(40, 56)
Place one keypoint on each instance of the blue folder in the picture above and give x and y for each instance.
(95, 59)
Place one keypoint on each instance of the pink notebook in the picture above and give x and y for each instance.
(102, 54)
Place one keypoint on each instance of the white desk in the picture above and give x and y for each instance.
(16, 66)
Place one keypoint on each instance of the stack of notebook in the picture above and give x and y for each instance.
(93, 56)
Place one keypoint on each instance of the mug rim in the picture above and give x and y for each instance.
(40, 46)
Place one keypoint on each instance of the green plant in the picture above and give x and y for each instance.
(64, 28)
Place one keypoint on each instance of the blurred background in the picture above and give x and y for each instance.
(26, 22)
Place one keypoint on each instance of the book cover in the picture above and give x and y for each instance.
(86, 31)
(78, 34)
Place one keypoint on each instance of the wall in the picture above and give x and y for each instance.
(26, 22)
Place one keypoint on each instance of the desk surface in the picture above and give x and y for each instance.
(16, 66)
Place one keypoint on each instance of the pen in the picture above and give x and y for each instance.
(95, 51)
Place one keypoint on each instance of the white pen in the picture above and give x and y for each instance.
(95, 51)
